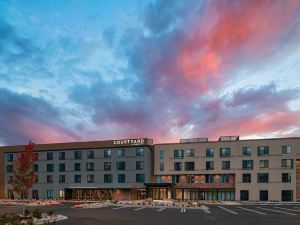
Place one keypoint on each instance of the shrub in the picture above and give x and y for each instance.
(26, 212)
(37, 213)
(50, 213)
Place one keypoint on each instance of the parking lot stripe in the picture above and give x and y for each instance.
(295, 210)
(122, 207)
(160, 209)
(228, 210)
(273, 210)
(251, 210)
(137, 209)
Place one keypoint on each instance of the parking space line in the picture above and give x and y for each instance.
(273, 210)
(137, 209)
(160, 209)
(122, 207)
(295, 210)
(183, 210)
(228, 210)
(206, 210)
(251, 210)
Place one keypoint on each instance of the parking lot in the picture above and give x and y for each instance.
(208, 214)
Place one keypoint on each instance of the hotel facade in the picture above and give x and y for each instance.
(193, 169)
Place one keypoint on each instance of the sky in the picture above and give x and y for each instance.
(82, 70)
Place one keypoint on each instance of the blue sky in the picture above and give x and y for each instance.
(94, 70)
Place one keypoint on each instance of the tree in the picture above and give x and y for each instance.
(24, 174)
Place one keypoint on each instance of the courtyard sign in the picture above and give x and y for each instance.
(140, 141)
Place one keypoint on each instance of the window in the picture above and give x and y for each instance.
(286, 150)
(90, 154)
(36, 167)
(247, 164)
(247, 178)
(209, 165)
(287, 195)
(224, 178)
(121, 178)
(190, 153)
(175, 179)
(50, 179)
(62, 167)
(177, 166)
(247, 151)
(77, 178)
(263, 151)
(139, 152)
(35, 194)
(210, 152)
(62, 194)
(10, 157)
(178, 154)
(107, 178)
(107, 153)
(287, 163)
(158, 179)
(263, 195)
(50, 194)
(225, 165)
(140, 178)
(62, 179)
(121, 165)
(9, 169)
(90, 178)
(161, 166)
(78, 155)
(62, 156)
(90, 166)
(161, 154)
(286, 177)
(224, 152)
(10, 179)
(262, 178)
(244, 195)
(139, 165)
(107, 166)
(263, 164)
(190, 179)
(209, 179)
(50, 167)
(77, 166)
(189, 166)
(49, 155)
(121, 152)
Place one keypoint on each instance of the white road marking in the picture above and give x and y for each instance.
(251, 210)
(273, 210)
(206, 210)
(122, 207)
(160, 209)
(296, 207)
(296, 210)
(228, 210)
(139, 208)
(182, 210)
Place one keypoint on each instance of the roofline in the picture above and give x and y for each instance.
(240, 140)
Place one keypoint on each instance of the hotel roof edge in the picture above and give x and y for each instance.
(240, 140)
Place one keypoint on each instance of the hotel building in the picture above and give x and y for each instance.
(193, 169)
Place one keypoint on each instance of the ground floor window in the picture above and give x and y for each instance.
(50, 194)
(35, 194)
(10, 194)
(244, 195)
(287, 195)
(263, 195)
(62, 194)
